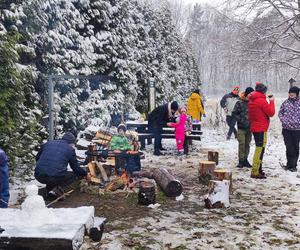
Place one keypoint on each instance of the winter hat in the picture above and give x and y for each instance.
(197, 91)
(122, 127)
(248, 91)
(174, 105)
(236, 88)
(295, 90)
(261, 88)
(69, 138)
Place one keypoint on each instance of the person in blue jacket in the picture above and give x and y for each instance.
(51, 165)
(4, 180)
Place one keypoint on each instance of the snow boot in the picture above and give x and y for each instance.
(240, 164)
(259, 176)
(157, 153)
(247, 164)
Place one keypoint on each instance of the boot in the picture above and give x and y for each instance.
(157, 152)
(247, 164)
(294, 169)
(258, 176)
(240, 164)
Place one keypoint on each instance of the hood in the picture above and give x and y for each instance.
(195, 96)
(256, 95)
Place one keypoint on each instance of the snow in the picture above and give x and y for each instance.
(263, 214)
(35, 220)
(220, 193)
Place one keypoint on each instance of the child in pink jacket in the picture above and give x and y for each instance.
(180, 127)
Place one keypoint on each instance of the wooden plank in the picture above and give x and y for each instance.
(102, 171)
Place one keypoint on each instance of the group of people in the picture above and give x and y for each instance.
(252, 110)
(180, 118)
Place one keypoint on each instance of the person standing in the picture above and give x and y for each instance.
(158, 119)
(244, 135)
(259, 112)
(289, 115)
(180, 129)
(4, 180)
(195, 107)
(227, 103)
(51, 165)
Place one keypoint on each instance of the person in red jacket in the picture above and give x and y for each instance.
(259, 113)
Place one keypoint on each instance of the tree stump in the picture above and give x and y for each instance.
(146, 195)
(206, 171)
(167, 182)
(218, 194)
(224, 174)
(213, 156)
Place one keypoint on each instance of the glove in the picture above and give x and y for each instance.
(204, 115)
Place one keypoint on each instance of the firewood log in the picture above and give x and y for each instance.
(167, 182)
(213, 156)
(92, 169)
(102, 171)
(206, 171)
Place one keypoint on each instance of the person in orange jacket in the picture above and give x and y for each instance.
(195, 107)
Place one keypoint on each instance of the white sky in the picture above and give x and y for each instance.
(211, 2)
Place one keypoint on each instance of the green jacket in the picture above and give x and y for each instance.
(120, 143)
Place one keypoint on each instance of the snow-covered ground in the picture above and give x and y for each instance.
(263, 214)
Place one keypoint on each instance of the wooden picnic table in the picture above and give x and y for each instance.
(168, 133)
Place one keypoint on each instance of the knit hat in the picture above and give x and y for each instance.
(248, 91)
(174, 105)
(236, 88)
(69, 138)
(261, 88)
(197, 91)
(122, 127)
(295, 90)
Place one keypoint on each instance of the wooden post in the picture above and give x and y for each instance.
(218, 194)
(223, 174)
(213, 156)
(167, 182)
(206, 171)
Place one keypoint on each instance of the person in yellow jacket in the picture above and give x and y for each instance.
(195, 107)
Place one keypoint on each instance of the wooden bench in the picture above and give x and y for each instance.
(167, 133)
(188, 138)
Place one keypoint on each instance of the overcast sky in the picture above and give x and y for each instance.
(212, 2)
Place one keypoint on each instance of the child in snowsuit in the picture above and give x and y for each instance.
(180, 127)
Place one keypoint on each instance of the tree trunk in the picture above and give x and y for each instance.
(167, 182)
(213, 156)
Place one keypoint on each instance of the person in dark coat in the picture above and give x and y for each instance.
(51, 165)
(228, 102)
(259, 112)
(289, 115)
(4, 180)
(244, 135)
(158, 119)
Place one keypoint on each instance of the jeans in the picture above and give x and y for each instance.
(231, 121)
(157, 131)
(53, 181)
(4, 186)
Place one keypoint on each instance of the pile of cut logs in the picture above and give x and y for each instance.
(219, 182)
